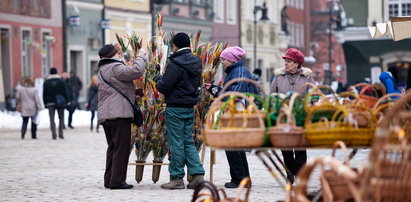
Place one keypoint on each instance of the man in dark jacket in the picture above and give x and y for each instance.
(77, 85)
(180, 84)
(54, 94)
(71, 106)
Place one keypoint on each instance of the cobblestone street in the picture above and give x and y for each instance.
(72, 170)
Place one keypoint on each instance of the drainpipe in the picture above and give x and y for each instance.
(103, 31)
(64, 20)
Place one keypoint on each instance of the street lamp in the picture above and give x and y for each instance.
(332, 7)
(264, 17)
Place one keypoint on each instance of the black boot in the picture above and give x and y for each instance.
(91, 127)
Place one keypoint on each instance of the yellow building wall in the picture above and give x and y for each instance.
(143, 5)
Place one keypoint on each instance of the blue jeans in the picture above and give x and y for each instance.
(179, 125)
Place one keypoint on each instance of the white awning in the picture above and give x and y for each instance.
(398, 28)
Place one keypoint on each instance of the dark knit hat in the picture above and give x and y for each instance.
(181, 40)
(107, 51)
(257, 71)
(53, 70)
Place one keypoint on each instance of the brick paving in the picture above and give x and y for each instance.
(72, 170)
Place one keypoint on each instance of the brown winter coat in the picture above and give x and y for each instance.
(29, 101)
(283, 82)
(111, 104)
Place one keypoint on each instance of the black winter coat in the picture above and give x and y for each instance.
(53, 86)
(181, 81)
(92, 98)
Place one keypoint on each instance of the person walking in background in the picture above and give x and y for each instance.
(180, 84)
(30, 106)
(55, 98)
(114, 111)
(231, 59)
(390, 80)
(289, 79)
(92, 100)
(77, 85)
(72, 104)
(257, 77)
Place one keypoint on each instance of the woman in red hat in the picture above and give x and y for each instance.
(287, 79)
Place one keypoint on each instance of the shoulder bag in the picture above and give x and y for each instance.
(138, 115)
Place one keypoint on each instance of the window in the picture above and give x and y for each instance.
(218, 11)
(399, 8)
(231, 11)
(197, 2)
(45, 53)
(26, 53)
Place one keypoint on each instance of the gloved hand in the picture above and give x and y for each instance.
(213, 90)
(157, 77)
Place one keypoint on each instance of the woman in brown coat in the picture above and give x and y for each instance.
(115, 113)
(288, 79)
(30, 105)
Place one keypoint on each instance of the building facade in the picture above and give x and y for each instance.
(189, 16)
(367, 57)
(31, 41)
(226, 22)
(329, 64)
(126, 17)
(84, 37)
(270, 42)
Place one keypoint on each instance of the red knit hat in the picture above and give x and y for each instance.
(294, 55)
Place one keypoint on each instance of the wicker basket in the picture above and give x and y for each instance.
(325, 133)
(334, 186)
(219, 135)
(368, 100)
(239, 120)
(287, 134)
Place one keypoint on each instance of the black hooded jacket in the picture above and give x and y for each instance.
(181, 80)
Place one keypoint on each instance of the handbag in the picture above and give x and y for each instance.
(61, 101)
(138, 115)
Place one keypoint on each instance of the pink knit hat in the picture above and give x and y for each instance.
(233, 54)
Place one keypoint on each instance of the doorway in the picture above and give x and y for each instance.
(5, 66)
(77, 66)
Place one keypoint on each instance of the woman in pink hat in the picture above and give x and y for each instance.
(288, 79)
(234, 68)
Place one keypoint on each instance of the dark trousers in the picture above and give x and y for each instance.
(70, 116)
(118, 136)
(238, 165)
(52, 112)
(93, 113)
(24, 127)
(294, 160)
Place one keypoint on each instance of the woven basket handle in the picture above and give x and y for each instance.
(405, 99)
(213, 194)
(301, 88)
(349, 94)
(365, 87)
(318, 90)
(216, 105)
(244, 184)
(386, 97)
(236, 80)
(341, 145)
(290, 118)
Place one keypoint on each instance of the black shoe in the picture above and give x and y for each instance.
(230, 185)
(61, 137)
(124, 186)
(54, 138)
(290, 179)
(71, 127)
